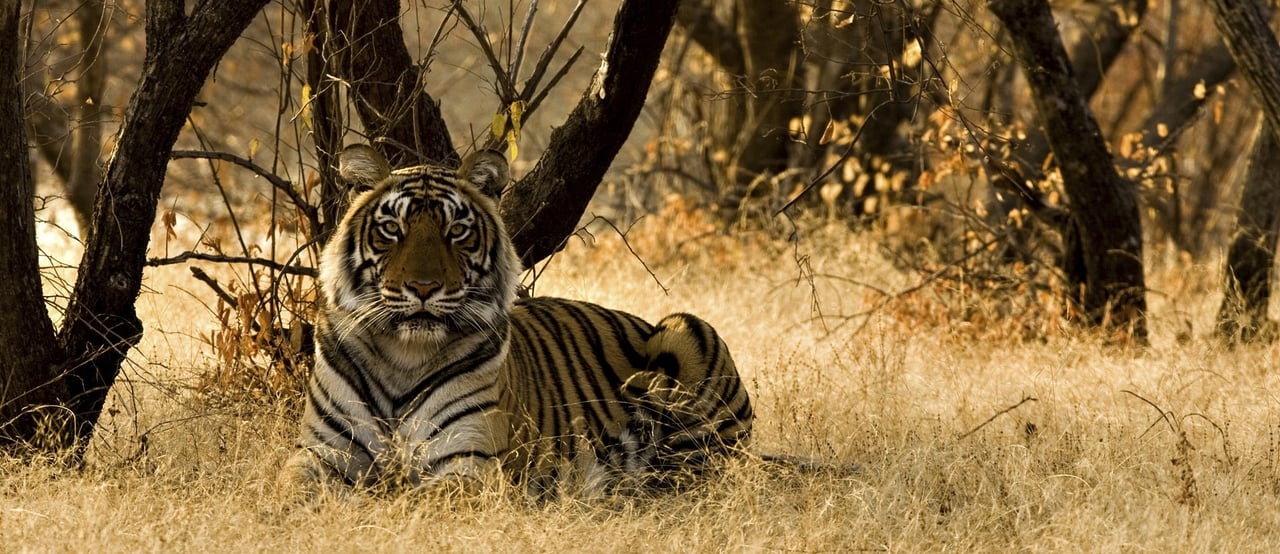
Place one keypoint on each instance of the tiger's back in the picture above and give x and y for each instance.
(651, 401)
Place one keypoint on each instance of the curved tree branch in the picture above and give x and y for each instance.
(280, 183)
(544, 207)
(386, 85)
(101, 323)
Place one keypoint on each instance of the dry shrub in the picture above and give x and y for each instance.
(263, 347)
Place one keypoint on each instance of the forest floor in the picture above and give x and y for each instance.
(1000, 431)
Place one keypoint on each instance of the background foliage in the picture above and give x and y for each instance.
(827, 193)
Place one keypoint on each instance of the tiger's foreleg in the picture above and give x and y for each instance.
(306, 477)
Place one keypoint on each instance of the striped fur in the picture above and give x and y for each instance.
(427, 366)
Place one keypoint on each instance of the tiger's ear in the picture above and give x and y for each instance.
(362, 167)
(487, 170)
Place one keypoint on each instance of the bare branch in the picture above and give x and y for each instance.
(531, 84)
(276, 181)
(505, 89)
(993, 417)
(220, 258)
(580, 151)
(537, 101)
(524, 37)
(226, 297)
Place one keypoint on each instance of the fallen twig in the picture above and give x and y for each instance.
(993, 417)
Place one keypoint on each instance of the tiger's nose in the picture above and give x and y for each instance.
(424, 289)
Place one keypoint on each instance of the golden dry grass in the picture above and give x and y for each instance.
(1085, 466)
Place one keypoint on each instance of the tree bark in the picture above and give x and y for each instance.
(719, 40)
(758, 49)
(101, 323)
(544, 207)
(769, 33)
(327, 124)
(1242, 316)
(1178, 104)
(29, 383)
(86, 134)
(1244, 27)
(400, 118)
(1091, 58)
(1104, 205)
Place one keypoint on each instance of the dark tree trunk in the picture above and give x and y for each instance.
(69, 135)
(544, 207)
(759, 50)
(1178, 105)
(86, 134)
(399, 117)
(326, 120)
(1244, 27)
(1179, 102)
(1243, 314)
(28, 352)
(1243, 24)
(1091, 57)
(1104, 206)
(101, 323)
(769, 33)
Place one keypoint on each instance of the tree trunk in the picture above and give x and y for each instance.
(544, 207)
(327, 124)
(1244, 27)
(1110, 28)
(86, 134)
(69, 135)
(400, 118)
(1243, 314)
(758, 49)
(101, 323)
(28, 352)
(770, 36)
(1104, 205)
(1178, 105)
(1243, 24)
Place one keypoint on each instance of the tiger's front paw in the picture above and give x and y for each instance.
(306, 478)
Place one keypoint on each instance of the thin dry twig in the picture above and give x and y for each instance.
(276, 181)
(506, 89)
(222, 293)
(886, 298)
(507, 77)
(555, 79)
(625, 242)
(524, 38)
(544, 60)
(184, 257)
(993, 417)
(583, 230)
(1182, 459)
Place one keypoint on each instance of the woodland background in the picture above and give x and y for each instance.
(1023, 288)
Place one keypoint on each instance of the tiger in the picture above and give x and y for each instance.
(430, 366)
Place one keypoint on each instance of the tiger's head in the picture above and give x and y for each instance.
(421, 254)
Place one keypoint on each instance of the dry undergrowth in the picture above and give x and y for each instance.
(968, 436)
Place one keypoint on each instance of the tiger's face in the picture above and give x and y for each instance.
(421, 254)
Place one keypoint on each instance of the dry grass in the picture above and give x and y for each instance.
(1086, 465)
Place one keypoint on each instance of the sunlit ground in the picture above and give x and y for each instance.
(966, 437)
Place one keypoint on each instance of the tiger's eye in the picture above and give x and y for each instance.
(390, 229)
(457, 231)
